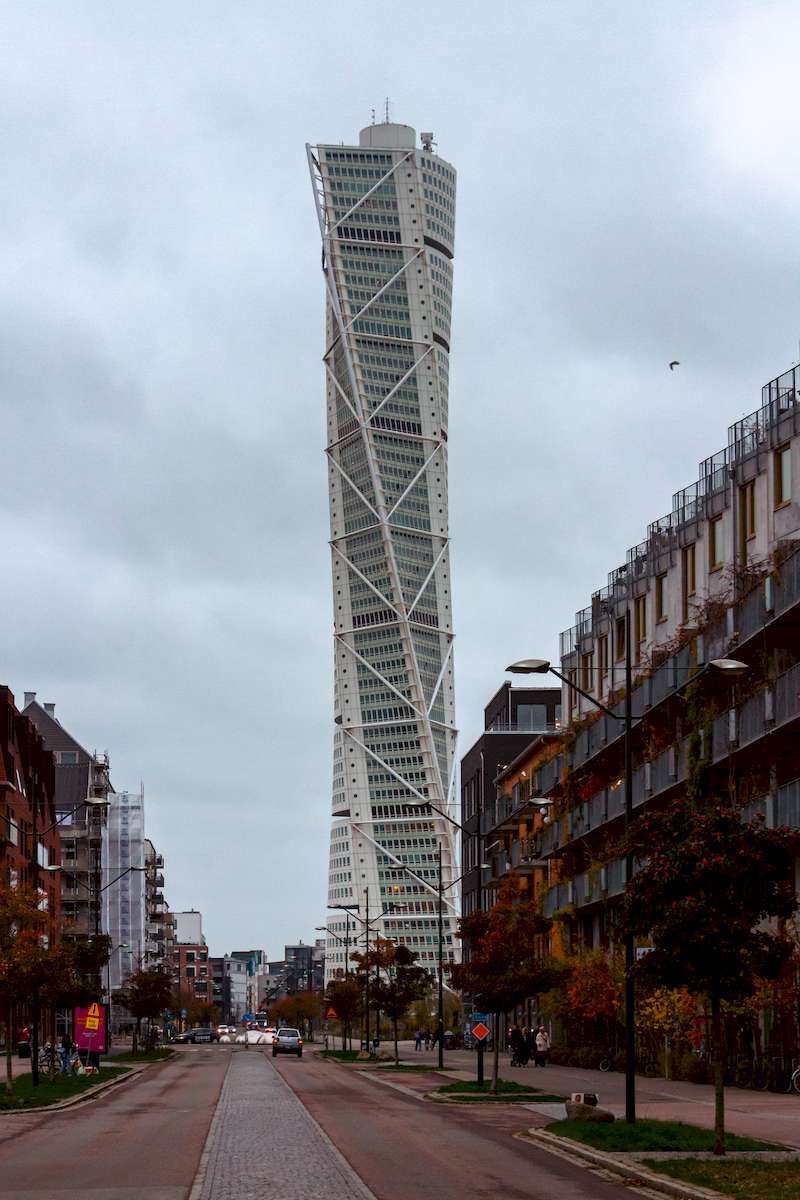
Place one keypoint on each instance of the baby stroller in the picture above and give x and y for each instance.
(520, 1055)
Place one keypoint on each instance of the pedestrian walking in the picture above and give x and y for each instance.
(542, 1046)
(516, 1044)
(65, 1052)
(427, 1036)
(418, 1040)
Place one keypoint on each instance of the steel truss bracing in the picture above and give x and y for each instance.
(386, 375)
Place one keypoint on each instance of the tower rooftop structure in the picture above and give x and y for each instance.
(386, 212)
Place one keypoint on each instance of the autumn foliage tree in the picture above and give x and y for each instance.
(146, 995)
(404, 983)
(706, 884)
(508, 961)
(296, 1008)
(344, 997)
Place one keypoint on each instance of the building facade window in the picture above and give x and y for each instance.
(587, 672)
(747, 515)
(619, 638)
(782, 468)
(602, 656)
(688, 578)
(715, 543)
(661, 596)
(640, 624)
(572, 695)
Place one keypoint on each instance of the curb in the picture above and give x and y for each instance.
(455, 1098)
(347, 1169)
(90, 1094)
(202, 1167)
(584, 1156)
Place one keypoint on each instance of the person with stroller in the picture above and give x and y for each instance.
(519, 1048)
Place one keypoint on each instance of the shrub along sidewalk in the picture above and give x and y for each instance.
(63, 1087)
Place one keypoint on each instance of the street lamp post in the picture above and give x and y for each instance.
(440, 906)
(541, 666)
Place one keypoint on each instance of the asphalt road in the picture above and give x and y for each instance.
(143, 1142)
(402, 1146)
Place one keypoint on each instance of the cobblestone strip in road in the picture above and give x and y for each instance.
(264, 1144)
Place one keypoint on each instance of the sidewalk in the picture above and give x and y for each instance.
(768, 1115)
(263, 1142)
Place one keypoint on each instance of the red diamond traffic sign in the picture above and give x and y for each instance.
(480, 1031)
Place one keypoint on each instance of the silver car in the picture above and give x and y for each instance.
(287, 1041)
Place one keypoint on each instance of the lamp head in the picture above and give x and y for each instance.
(729, 666)
(529, 666)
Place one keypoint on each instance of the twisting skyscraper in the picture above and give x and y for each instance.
(386, 213)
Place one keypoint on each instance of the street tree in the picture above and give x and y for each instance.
(203, 1012)
(368, 965)
(508, 957)
(147, 993)
(296, 1008)
(344, 997)
(404, 984)
(707, 883)
(21, 955)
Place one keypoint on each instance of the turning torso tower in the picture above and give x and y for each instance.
(386, 213)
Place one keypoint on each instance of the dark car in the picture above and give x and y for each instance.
(202, 1033)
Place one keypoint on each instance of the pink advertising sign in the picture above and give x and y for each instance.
(90, 1028)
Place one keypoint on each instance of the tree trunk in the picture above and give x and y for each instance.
(9, 1068)
(394, 1023)
(719, 1077)
(135, 1046)
(496, 1054)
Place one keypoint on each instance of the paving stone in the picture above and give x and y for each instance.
(263, 1143)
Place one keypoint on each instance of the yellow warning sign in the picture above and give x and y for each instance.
(93, 1010)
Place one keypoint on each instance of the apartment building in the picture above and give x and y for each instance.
(230, 980)
(124, 886)
(79, 776)
(717, 578)
(513, 718)
(27, 790)
(158, 940)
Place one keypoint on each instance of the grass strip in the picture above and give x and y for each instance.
(650, 1135)
(348, 1056)
(156, 1055)
(740, 1179)
(405, 1067)
(503, 1085)
(504, 1098)
(63, 1087)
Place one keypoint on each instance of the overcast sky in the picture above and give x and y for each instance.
(627, 195)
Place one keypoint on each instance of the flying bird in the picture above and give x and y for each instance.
(675, 363)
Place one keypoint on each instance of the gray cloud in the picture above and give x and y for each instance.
(164, 517)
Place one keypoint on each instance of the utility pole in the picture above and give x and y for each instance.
(630, 995)
(440, 1031)
(366, 940)
(34, 862)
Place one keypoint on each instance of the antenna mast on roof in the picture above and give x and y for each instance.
(387, 111)
(373, 116)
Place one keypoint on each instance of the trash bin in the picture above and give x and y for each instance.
(23, 1049)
